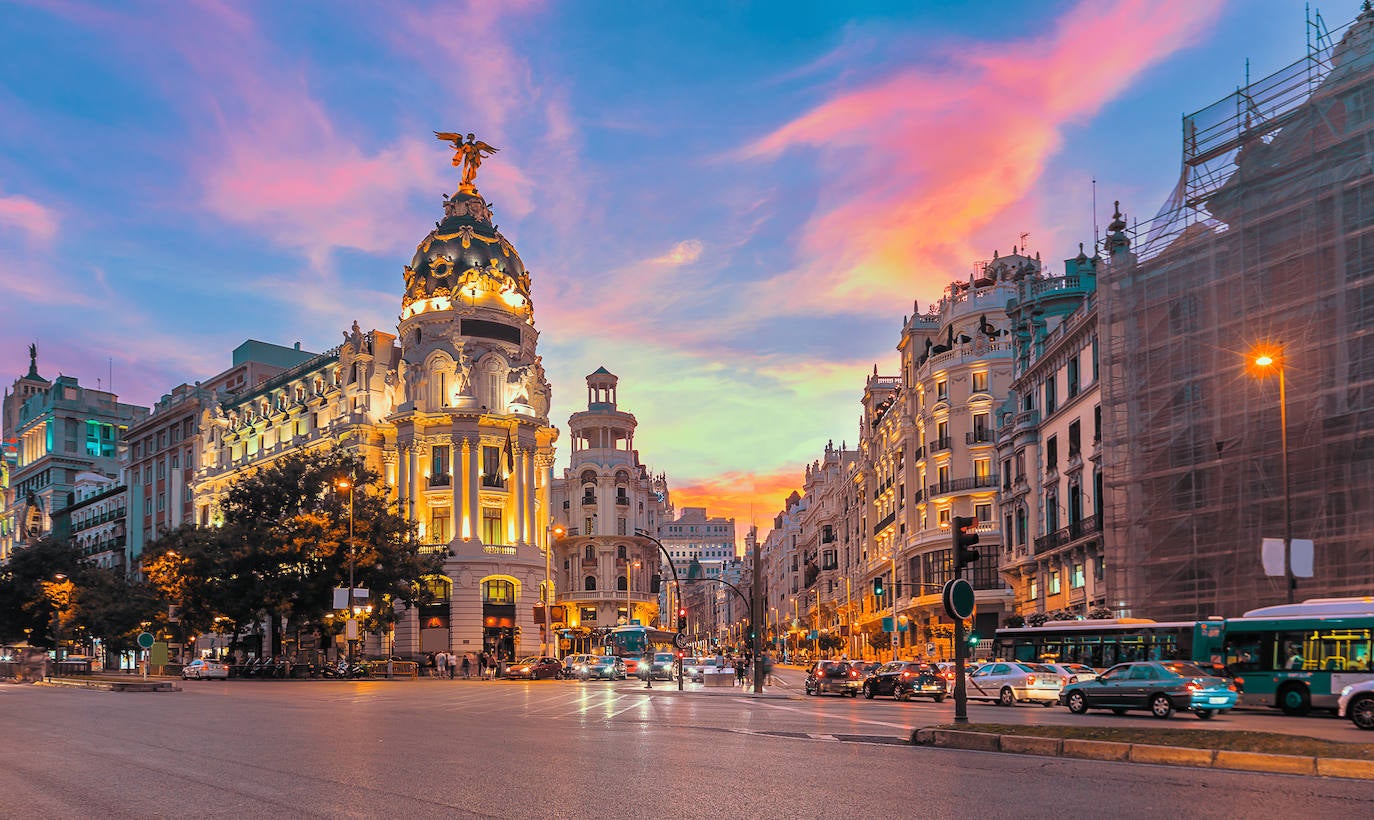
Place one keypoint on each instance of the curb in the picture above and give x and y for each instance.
(1145, 753)
(113, 686)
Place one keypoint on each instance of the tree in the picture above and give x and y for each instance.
(114, 608)
(1015, 622)
(285, 546)
(36, 585)
(830, 643)
(1101, 613)
(880, 640)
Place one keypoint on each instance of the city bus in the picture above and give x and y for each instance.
(632, 643)
(1099, 644)
(1295, 657)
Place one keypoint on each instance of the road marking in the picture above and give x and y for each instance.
(822, 737)
(813, 713)
(644, 701)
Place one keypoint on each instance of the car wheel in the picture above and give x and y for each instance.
(853, 693)
(1361, 711)
(1119, 711)
(1206, 714)
(868, 692)
(903, 695)
(1078, 704)
(939, 698)
(1161, 707)
(1006, 697)
(1294, 700)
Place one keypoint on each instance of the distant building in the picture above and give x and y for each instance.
(94, 520)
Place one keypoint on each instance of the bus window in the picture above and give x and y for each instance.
(1244, 655)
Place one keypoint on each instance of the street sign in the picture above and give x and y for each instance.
(681, 641)
(145, 640)
(887, 623)
(958, 599)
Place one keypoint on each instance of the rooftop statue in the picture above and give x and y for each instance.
(468, 154)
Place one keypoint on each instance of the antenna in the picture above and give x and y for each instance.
(1024, 235)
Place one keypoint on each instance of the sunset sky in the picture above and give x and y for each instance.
(729, 205)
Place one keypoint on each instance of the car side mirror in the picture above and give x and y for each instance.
(1100, 679)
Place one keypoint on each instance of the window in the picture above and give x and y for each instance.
(1097, 423)
(587, 526)
(438, 461)
(1050, 400)
(980, 382)
(1051, 511)
(589, 612)
(982, 470)
(1099, 570)
(1073, 376)
(620, 583)
(1006, 474)
(493, 533)
(983, 512)
(1052, 453)
(161, 502)
(439, 525)
(1076, 579)
(941, 390)
(589, 554)
(498, 591)
(1075, 438)
(619, 552)
(1034, 587)
(1054, 582)
(161, 469)
(943, 517)
(589, 583)
(491, 467)
(982, 430)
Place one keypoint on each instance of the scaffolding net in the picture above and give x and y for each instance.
(1268, 237)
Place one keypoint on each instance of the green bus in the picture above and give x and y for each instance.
(1295, 657)
(1099, 644)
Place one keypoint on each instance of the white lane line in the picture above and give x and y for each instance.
(812, 713)
(645, 700)
(823, 737)
(608, 702)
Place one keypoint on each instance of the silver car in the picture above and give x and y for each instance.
(1007, 683)
(202, 669)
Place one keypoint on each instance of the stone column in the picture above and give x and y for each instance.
(455, 462)
(518, 489)
(474, 511)
(403, 477)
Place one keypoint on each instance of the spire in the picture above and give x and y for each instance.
(33, 363)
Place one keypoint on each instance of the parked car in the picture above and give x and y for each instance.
(604, 666)
(833, 676)
(1072, 672)
(693, 669)
(571, 664)
(1159, 686)
(1007, 683)
(202, 669)
(534, 668)
(904, 680)
(1357, 703)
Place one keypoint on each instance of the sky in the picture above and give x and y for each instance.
(732, 206)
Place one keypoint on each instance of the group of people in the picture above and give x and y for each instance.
(445, 664)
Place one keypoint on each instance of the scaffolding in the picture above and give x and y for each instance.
(1269, 236)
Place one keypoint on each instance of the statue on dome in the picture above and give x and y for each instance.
(468, 154)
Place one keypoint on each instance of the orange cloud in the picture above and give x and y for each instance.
(919, 162)
(749, 498)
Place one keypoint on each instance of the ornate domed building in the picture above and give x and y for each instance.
(452, 411)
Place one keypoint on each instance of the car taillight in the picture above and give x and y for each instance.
(1193, 686)
(1231, 686)
(1066, 680)
(906, 674)
(853, 674)
(1030, 680)
(1239, 682)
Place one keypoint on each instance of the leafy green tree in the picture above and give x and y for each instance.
(830, 643)
(36, 585)
(880, 640)
(114, 608)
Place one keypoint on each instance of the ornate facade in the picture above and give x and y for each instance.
(452, 411)
(603, 571)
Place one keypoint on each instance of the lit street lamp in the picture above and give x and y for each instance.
(1266, 360)
(347, 486)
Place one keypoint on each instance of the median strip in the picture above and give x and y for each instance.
(1198, 749)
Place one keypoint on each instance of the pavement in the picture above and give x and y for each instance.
(517, 749)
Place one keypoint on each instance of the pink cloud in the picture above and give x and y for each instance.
(919, 163)
(37, 222)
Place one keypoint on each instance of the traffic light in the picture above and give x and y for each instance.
(878, 587)
(682, 619)
(655, 583)
(964, 541)
(973, 639)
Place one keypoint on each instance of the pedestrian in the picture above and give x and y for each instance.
(482, 664)
(467, 666)
(452, 666)
(441, 663)
(739, 671)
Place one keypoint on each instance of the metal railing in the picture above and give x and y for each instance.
(1064, 535)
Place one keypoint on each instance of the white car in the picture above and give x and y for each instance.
(1072, 672)
(1357, 703)
(693, 669)
(1007, 683)
(202, 669)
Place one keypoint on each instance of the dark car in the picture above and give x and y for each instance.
(1159, 686)
(534, 668)
(837, 677)
(904, 680)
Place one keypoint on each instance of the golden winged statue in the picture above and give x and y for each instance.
(467, 154)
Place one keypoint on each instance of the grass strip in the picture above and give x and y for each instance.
(1263, 742)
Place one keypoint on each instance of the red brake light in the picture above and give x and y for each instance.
(1193, 686)
(1030, 680)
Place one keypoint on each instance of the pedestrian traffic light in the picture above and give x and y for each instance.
(878, 587)
(682, 619)
(964, 540)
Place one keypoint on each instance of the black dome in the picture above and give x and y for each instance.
(465, 248)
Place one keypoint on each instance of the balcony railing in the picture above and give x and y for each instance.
(1064, 535)
(588, 500)
(622, 501)
(983, 436)
(959, 485)
(493, 482)
(944, 443)
(440, 480)
(885, 522)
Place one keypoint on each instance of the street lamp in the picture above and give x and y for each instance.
(344, 485)
(629, 608)
(1266, 360)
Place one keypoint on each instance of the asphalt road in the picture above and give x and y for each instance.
(561, 749)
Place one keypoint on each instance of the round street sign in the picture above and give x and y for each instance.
(681, 641)
(958, 599)
(145, 640)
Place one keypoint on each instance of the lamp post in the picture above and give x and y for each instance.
(1265, 360)
(629, 608)
(347, 486)
(677, 584)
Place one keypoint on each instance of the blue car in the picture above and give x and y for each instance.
(1159, 686)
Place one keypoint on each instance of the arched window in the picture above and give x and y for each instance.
(590, 553)
(498, 591)
(620, 552)
(590, 583)
(620, 583)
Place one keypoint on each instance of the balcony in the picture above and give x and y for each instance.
(885, 522)
(589, 501)
(440, 480)
(939, 444)
(960, 485)
(1065, 535)
(983, 436)
(622, 501)
(1026, 421)
(494, 482)
(920, 453)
